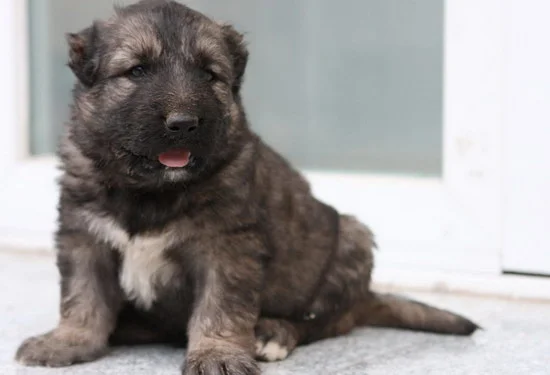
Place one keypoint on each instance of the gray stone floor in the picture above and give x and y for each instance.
(516, 339)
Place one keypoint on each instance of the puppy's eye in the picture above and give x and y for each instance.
(206, 75)
(137, 71)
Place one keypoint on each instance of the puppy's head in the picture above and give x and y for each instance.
(157, 98)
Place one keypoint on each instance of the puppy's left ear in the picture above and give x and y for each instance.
(239, 54)
(83, 59)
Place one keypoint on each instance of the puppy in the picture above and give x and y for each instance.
(177, 224)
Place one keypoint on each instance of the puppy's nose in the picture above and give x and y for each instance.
(179, 123)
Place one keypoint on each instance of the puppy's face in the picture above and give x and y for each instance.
(158, 91)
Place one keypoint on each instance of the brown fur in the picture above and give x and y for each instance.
(230, 255)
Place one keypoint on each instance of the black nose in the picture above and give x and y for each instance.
(179, 123)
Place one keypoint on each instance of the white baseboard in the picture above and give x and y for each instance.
(501, 285)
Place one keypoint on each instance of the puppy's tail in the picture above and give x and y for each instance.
(386, 310)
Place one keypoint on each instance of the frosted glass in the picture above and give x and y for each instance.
(351, 85)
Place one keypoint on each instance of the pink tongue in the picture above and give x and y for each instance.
(175, 158)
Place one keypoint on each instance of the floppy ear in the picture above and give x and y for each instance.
(239, 54)
(83, 59)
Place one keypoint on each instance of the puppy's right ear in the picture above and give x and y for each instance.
(239, 54)
(83, 59)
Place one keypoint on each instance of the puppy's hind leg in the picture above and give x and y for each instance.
(277, 338)
(368, 308)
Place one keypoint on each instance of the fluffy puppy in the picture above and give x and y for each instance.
(177, 224)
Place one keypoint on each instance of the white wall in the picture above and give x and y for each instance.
(12, 83)
(526, 115)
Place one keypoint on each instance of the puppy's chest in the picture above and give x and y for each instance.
(145, 267)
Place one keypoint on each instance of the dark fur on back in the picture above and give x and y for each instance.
(231, 253)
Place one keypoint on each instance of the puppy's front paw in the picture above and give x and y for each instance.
(55, 350)
(216, 362)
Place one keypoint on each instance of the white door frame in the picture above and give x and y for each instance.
(13, 91)
(448, 223)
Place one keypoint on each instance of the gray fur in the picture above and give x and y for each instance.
(231, 254)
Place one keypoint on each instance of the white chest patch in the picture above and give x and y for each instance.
(144, 266)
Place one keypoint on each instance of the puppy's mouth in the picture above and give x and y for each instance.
(177, 158)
